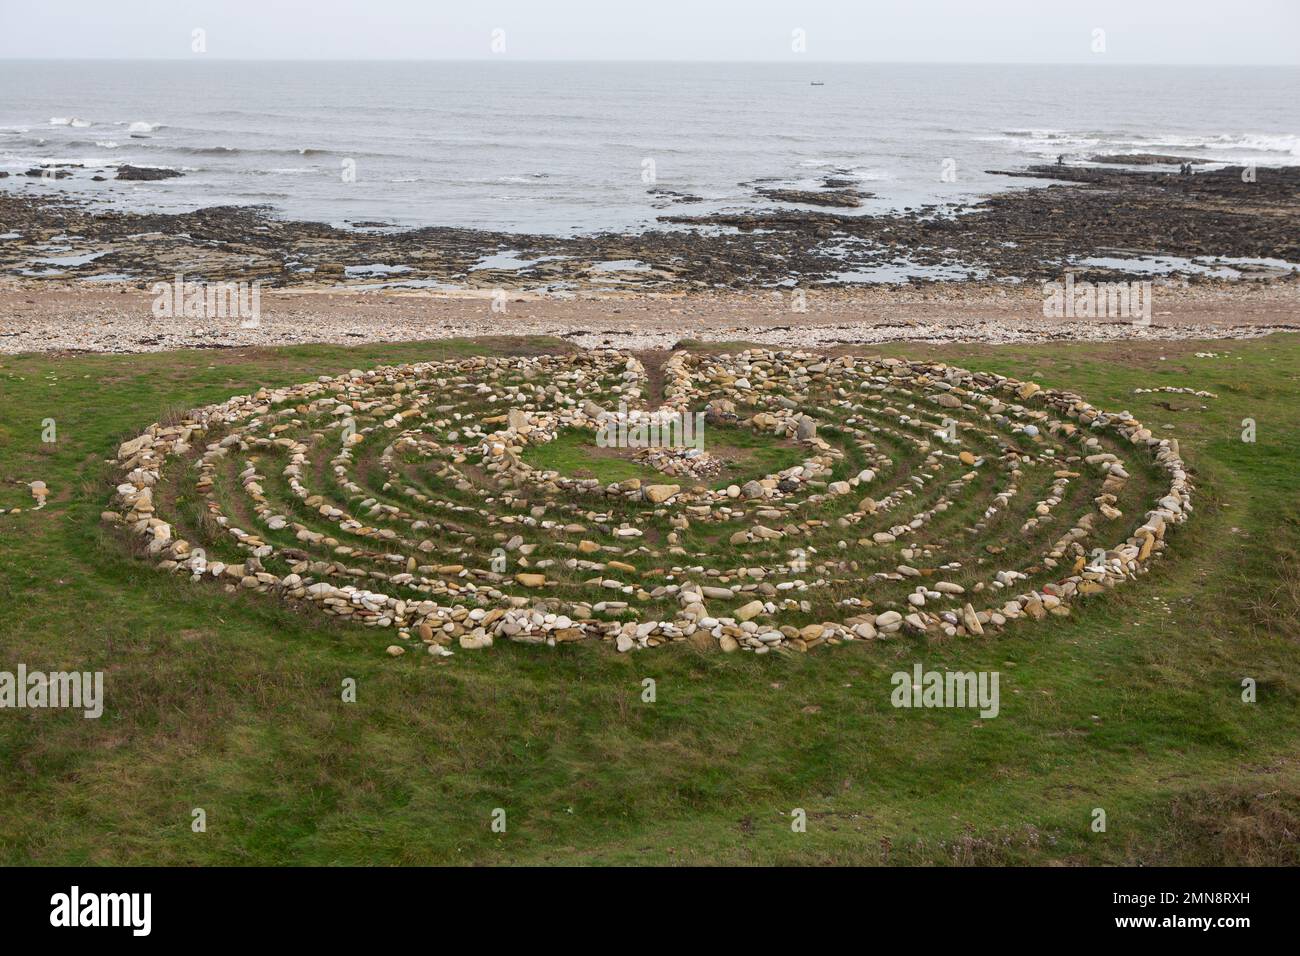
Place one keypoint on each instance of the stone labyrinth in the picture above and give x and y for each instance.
(919, 498)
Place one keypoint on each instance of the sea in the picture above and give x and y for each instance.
(570, 148)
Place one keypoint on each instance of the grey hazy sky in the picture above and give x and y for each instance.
(1003, 31)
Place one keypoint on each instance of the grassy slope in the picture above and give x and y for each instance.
(232, 703)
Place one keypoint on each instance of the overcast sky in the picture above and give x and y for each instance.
(965, 31)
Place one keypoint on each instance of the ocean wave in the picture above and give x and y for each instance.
(72, 143)
(139, 126)
(174, 169)
(1038, 133)
(1046, 142)
(1287, 144)
(69, 121)
(204, 150)
(83, 162)
(859, 171)
(244, 150)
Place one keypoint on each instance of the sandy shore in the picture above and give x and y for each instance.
(48, 317)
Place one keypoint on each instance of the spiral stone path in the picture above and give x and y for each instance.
(912, 497)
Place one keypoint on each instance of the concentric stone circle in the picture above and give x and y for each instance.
(926, 499)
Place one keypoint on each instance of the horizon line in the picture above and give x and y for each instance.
(498, 57)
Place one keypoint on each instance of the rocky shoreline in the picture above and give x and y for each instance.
(1099, 222)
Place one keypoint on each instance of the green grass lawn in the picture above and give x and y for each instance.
(232, 703)
(744, 453)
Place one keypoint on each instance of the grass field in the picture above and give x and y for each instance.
(232, 703)
(742, 453)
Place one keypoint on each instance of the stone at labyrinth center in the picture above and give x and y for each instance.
(400, 498)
